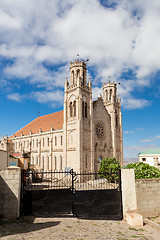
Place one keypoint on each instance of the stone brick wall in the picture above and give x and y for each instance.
(10, 186)
(148, 197)
(3, 159)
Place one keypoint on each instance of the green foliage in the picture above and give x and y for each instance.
(109, 168)
(144, 170)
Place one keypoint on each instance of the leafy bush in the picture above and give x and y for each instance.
(109, 168)
(144, 170)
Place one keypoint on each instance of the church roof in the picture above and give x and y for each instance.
(45, 122)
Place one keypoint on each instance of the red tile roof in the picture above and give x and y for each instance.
(44, 122)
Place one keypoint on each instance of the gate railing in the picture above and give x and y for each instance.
(41, 180)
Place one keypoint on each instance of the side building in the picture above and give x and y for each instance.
(80, 135)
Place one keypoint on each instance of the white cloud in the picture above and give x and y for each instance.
(132, 103)
(128, 132)
(15, 97)
(35, 39)
(52, 97)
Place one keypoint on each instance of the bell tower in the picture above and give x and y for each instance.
(113, 106)
(78, 118)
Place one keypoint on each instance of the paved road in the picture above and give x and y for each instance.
(30, 228)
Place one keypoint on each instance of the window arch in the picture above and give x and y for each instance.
(110, 97)
(106, 95)
(85, 110)
(100, 159)
(116, 119)
(72, 76)
(70, 107)
(74, 108)
(78, 73)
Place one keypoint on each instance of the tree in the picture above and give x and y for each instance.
(144, 170)
(109, 168)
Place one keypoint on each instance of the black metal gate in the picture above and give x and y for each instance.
(82, 194)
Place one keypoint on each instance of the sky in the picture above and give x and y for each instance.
(121, 38)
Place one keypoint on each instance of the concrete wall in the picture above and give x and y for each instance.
(128, 191)
(148, 197)
(10, 186)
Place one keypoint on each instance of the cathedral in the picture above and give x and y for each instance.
(79, 136)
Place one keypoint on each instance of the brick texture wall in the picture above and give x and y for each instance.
(148, 197)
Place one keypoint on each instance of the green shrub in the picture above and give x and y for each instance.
(144, 170)
(109, 168)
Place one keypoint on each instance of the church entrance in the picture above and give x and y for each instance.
(64, 193)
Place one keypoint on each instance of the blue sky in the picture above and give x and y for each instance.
(121, 39)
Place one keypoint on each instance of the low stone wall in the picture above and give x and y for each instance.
(148, 197)
(10, 186)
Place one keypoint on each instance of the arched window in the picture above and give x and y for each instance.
(83, 77)
(70, 107)
(85, 110)
(100, 159)
(60, 162)
(74, 108)
(78, 73)
(72, 76)
(106, 95)
(110, 97)
(116, 118)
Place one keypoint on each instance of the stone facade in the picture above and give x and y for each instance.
(148, 196)
(90, 130)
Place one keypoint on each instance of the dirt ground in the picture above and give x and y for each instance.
(30, 228)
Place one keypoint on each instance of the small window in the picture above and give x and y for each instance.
(55, 159)
(48, 141)
(61, 140)
(100, 159)
(60, 162)
(70, 107)
(43, 142)
(19, 144)
(143, 159)
(37, 142)
(74, 108)
(55, 140)
(85, 110)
